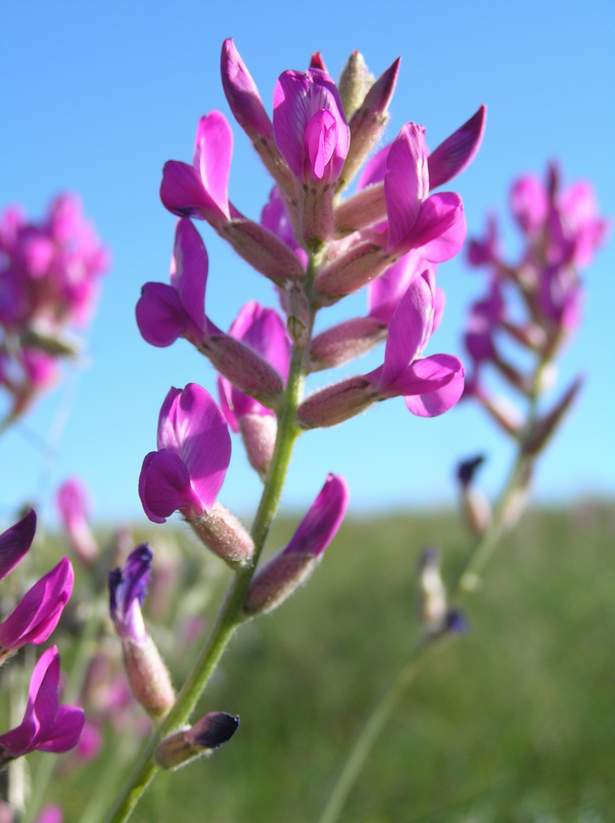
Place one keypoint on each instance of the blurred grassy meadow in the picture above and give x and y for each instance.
(514, 721)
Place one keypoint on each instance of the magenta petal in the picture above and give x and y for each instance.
(386, 291)
(15, 543)
(455, 153)
(409, 330)
(161, 318)
(406, 182)
(191, 425)
(323, 519)
(191, 266)
(182, 192)
(225, 394)
(375, 168)
(320, 140)
(439, 368)
(529, 203)
(213, 151)
(264, 331)
(298, 96)
(164, 485)
(65, 732)
(38, 612)
(440, 229)
(242, 93)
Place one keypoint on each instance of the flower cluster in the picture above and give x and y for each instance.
(316, 248)
(47, 725)
(49, 276)
(561, 231)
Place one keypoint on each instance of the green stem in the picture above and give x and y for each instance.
(231, 613)
(465, 583)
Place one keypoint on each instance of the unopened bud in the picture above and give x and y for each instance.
(317, 62)
(291, 567)
(259, 432)
(476, 509)
(530, 335)
(200, 740)
(361, 264)
(543, 429)
(245, 369)
(502, 412)
(224, 534)
(148, 676)
(466, 469)
(263, 251)
(368, 122)
(354, 84)
(362, 209)
(345, 342)
(512, 374)
(432, 591)
(336, 403)
(277, 580)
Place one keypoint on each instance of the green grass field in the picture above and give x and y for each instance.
(514, 721)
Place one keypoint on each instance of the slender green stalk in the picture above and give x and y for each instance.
(231, 613)
(466, 582)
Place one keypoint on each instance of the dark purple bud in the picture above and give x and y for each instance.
(467, 469)
(15, 543)
(202, 739)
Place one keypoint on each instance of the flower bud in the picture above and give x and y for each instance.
(224, 534)
(259, 432)
(291, 567)
(263, 251)
(73, 507)
(432, 591)
(354, 84)
(502, 411)
(15, 543)
(208, 734)
(147, 674)
(345, 342)
(476, 510)
(337, 403)
(361, 264)
(362, 209)
(545, 428)
(240, 364)
(246, 104)
(368, 122)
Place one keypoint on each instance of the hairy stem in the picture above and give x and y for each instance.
(231, 612)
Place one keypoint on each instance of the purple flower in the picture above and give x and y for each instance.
(38, 612)
(242, 94)
(435, 223)
(194, 451)
(309, 126)
(50, 814)
(15, 543)
(72, 502)
(166, 312)
(201, 189)
(386, 291)
(529, 203)
(484, 319)
(47, 725)
(282, 575)
(430, 385)
(560, 297)
(263, 331)
(322, 521)
(127, 590)
(485, 250)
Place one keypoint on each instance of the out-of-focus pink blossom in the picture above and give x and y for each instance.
(73, 506)
(47, 725)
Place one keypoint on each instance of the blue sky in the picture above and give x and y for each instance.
(96, 98)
